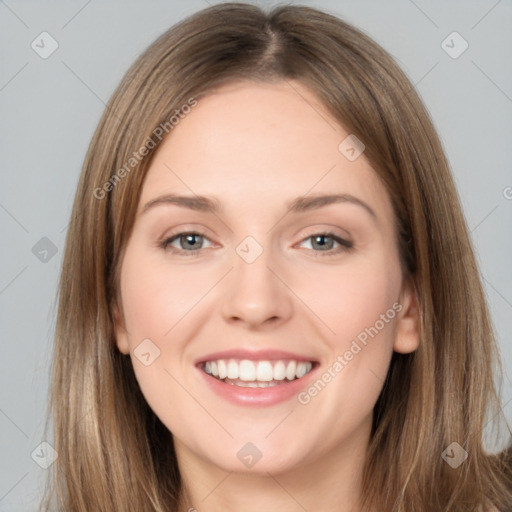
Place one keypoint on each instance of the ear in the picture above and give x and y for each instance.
(407, 336)
(120, 331)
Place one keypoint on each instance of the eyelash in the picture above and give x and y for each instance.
(345, 245)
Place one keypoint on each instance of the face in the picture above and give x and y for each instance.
(261, 287)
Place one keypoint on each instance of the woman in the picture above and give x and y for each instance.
(325, 343)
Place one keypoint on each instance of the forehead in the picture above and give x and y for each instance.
(249, 143)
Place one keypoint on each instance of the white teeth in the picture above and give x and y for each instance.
(279, 371)
(301, 370)
(253, 384)
(264, 371)
(221, 365)
(290, 370)
(232, 370)
(257, 373)
(247, 370)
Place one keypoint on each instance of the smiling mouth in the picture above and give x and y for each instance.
(257, 374)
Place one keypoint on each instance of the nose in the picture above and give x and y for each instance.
(257, 294)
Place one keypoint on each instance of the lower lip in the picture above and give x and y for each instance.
(257, 396)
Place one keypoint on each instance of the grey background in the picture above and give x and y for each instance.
(50, 107)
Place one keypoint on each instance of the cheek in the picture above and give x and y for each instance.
(349, 299)
(357, 305)
(157, 295)
(161, 302)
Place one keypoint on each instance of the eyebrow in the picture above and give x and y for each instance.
(302, 204)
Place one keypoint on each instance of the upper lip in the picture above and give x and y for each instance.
(254, 355)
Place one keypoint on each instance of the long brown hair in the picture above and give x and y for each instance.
(113, 452)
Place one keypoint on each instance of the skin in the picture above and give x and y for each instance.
(255, 147)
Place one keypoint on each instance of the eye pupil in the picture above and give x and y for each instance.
(189, 238)
(320, 241)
